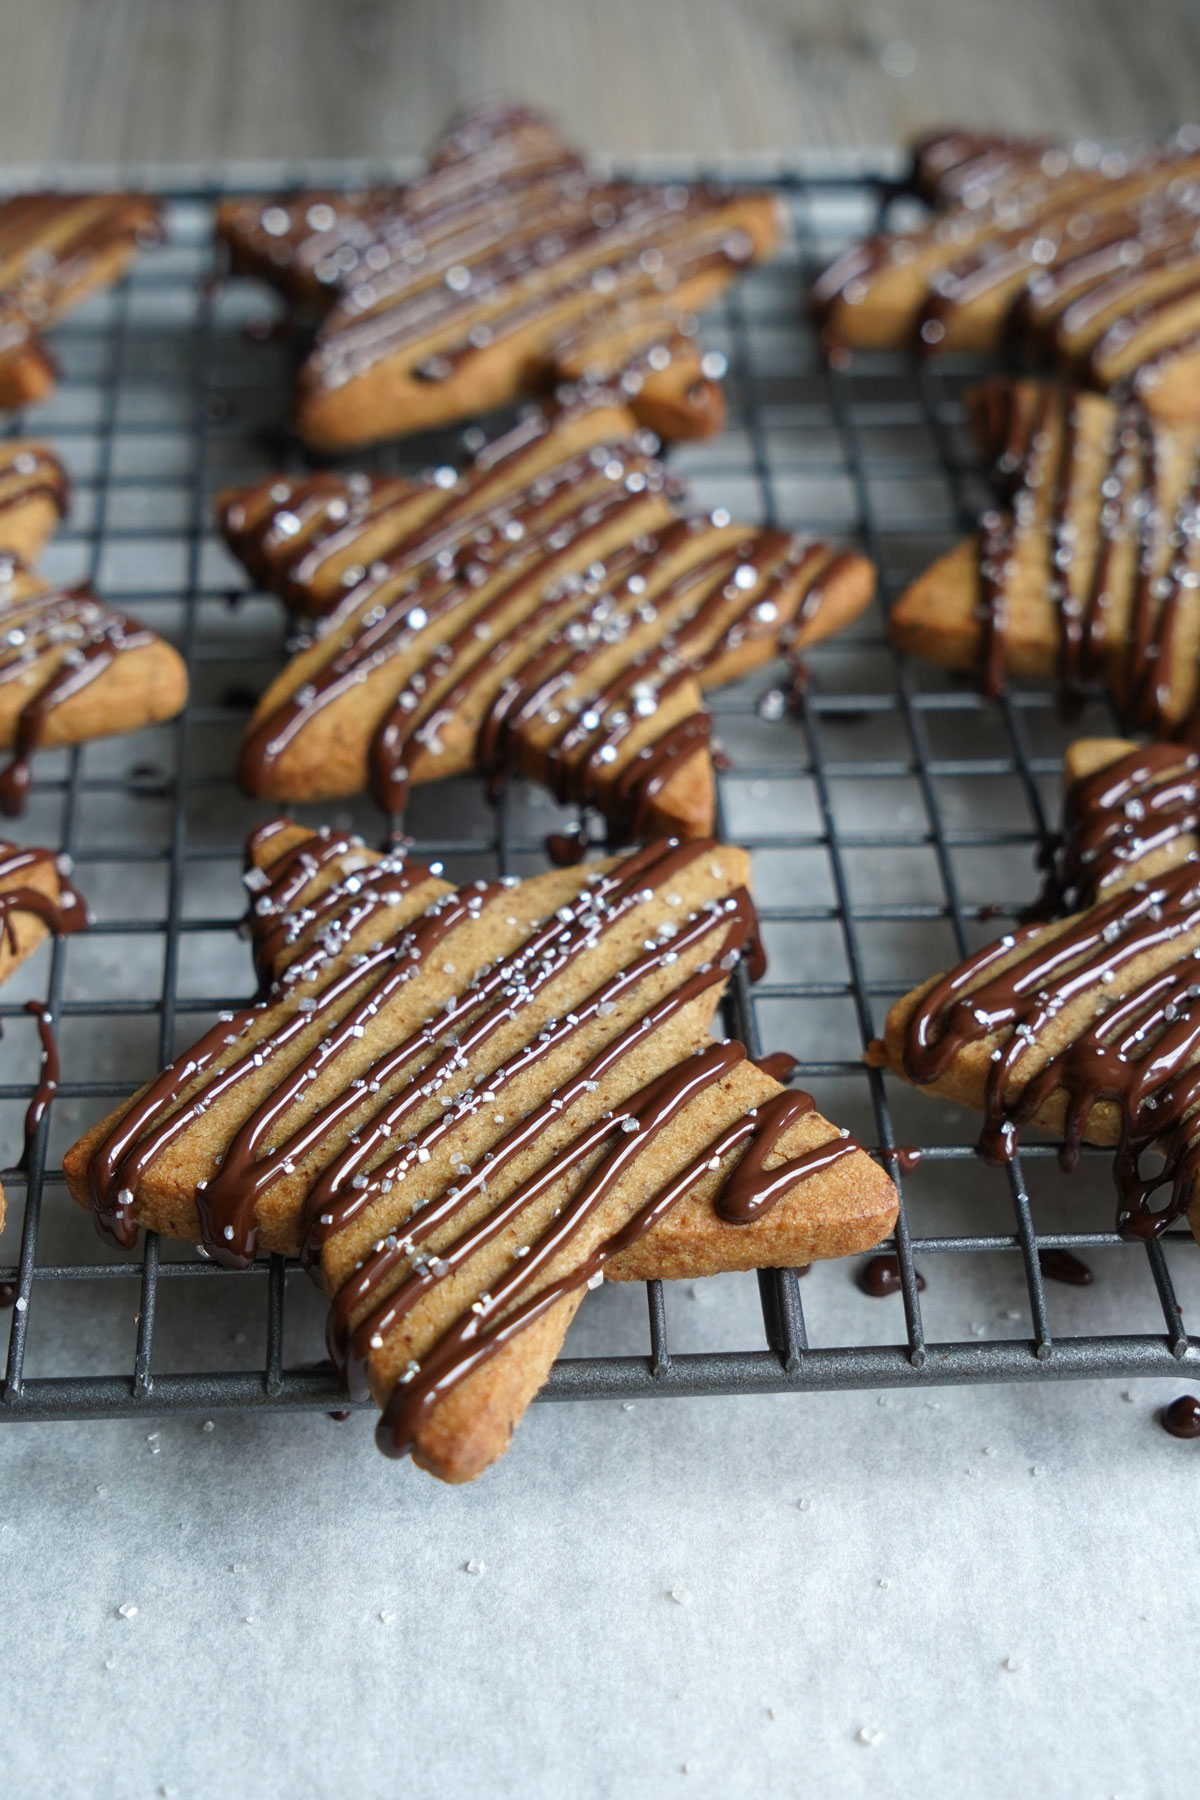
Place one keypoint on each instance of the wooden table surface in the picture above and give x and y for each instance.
(187, 80)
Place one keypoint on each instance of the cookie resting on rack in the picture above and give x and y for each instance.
(508, 265)
(1091, 570)
(55, 251)
(1085, 256)
(73, 668)
(33, 497)
(1088, 1025)
(553, 612)
(466, 1106)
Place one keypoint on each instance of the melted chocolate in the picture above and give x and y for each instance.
(906, 1158)
(879, 1276)
(567, 848)
(1065, 1266)
(47, 1086)
(780, 1065)
(1182, 1418)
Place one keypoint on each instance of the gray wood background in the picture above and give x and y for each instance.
(187, 80)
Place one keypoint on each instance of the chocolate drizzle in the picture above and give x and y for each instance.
(485, 1330)
(320, 1003)
(48, 1079)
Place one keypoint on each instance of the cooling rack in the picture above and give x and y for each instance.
(893, 819)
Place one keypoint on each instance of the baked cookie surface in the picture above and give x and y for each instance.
(1090, 573)
(552, 611)
(55, 250)
(507, 265)
(1086, 256)
(467, 1106)
(1087, 1025)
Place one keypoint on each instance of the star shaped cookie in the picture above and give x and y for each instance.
(1085, 255)
(554, 611)
(467, 1106)
(509, 264)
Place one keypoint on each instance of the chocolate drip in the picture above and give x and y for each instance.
(780, 1065)
(1065, 1266)
(880, 1276)
(565, 849)
(1182, 1418)
(47, 1086)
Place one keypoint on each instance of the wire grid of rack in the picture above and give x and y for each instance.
(859, 813)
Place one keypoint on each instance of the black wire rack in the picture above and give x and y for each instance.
(890, 818)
